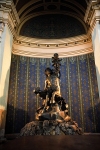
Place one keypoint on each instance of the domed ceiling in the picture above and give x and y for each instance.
(51, 9)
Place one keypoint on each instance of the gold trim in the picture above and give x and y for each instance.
(26, 92)
(37, 82)
(69, 91)
(16, 87)
(80, 94)
(91, 92)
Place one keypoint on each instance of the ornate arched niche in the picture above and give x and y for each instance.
(41, 35)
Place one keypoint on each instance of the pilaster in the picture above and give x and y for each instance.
(9, 20)
(92, 18)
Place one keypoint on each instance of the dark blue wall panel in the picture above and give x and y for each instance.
(78, 87)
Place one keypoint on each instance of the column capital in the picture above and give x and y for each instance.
(9, 15)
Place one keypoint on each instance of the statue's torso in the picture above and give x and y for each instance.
(53, 83)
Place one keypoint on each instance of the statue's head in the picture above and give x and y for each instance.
(48, 71)
(56, 55)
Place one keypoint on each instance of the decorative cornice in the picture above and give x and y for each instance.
(45, 48)
(49, 55)
(92, 14)
(88, 11)
(8, 15)
(52, 43)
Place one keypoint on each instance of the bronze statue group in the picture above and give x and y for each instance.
(52, 117)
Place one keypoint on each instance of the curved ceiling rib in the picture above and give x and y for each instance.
(28, 4)
(61, 4)
(87, 1)
(16, 2)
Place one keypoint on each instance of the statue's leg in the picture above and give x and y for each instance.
(53, 98)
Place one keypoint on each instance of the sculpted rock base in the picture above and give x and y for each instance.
(50, 127)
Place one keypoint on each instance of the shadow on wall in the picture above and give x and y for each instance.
(96, 107)
(3, 103)
(16, 119)
(96, 110)
(4, 78)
